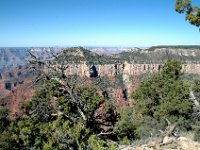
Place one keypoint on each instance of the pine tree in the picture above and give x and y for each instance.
(164, 94)
(192, 13)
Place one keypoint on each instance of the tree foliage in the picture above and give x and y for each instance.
(192, 13)
(4, 119)
(52, 120)
(161, 96)
(164, 94)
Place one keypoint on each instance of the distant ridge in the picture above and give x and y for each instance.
(175, 46)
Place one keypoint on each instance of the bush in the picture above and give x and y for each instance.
(197, 135)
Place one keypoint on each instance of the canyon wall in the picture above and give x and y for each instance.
(129, 72)
(125, 68)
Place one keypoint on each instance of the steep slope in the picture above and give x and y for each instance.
(17, 96)
(15, 56)
(10, 57)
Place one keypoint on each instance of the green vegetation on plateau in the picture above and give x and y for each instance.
(80, 54)
(175, 47)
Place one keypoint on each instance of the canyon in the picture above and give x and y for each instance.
(128, 66)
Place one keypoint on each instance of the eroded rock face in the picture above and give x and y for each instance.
(128, 71)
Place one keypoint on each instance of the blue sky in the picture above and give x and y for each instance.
(94, 23)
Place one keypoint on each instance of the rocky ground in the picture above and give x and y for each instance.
(168, 139)
(168, 143)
